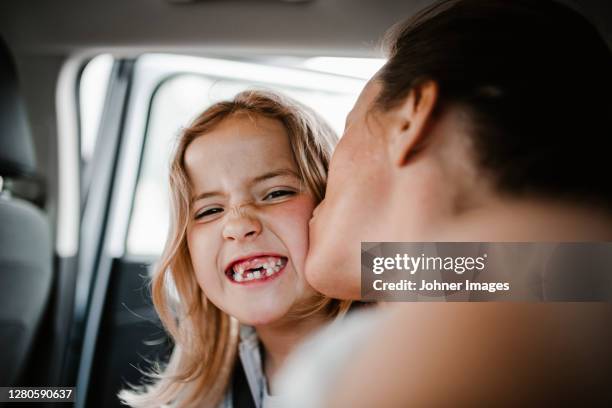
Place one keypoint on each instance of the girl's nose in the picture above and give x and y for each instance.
(241, 226)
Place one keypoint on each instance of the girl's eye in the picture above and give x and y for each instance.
(209, 212)
(278, 194)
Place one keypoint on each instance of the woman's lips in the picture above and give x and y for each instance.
(256, 269)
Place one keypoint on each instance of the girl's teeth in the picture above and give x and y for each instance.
(269, 268)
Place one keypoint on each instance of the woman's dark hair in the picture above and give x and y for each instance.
(535, 78)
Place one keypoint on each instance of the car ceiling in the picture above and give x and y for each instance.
(311, 26)
(317, 26)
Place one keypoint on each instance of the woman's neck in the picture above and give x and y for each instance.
(280, 338)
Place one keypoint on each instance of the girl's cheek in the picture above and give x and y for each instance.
(202, 247)
(294, 214)
(290, 220)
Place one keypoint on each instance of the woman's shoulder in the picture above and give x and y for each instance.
(313, 367)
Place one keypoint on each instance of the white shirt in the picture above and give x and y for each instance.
(250, 356)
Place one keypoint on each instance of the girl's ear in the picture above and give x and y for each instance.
(409, 122)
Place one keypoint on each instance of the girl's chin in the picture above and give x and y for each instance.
(273, 308)
(262, 318)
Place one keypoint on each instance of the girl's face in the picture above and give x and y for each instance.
(248, 234)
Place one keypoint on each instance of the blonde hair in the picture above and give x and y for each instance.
(205, 337)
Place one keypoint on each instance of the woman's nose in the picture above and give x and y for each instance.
(241, 226)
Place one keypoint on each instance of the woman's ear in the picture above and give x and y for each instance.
(409, 122)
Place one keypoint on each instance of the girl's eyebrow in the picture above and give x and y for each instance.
(255, 180)
(274, 173)
(204, 195)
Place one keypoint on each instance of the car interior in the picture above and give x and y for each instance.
(92, 96)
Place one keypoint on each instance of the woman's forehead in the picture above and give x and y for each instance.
(366, 99)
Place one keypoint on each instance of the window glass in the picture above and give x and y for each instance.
(92, 94)
(179, 99)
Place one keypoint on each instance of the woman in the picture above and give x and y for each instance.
(489, 122)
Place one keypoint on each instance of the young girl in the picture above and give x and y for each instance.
(230, 288)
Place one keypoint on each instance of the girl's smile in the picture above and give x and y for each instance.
(256, 268)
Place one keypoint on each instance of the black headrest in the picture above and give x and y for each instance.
(16, 152)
